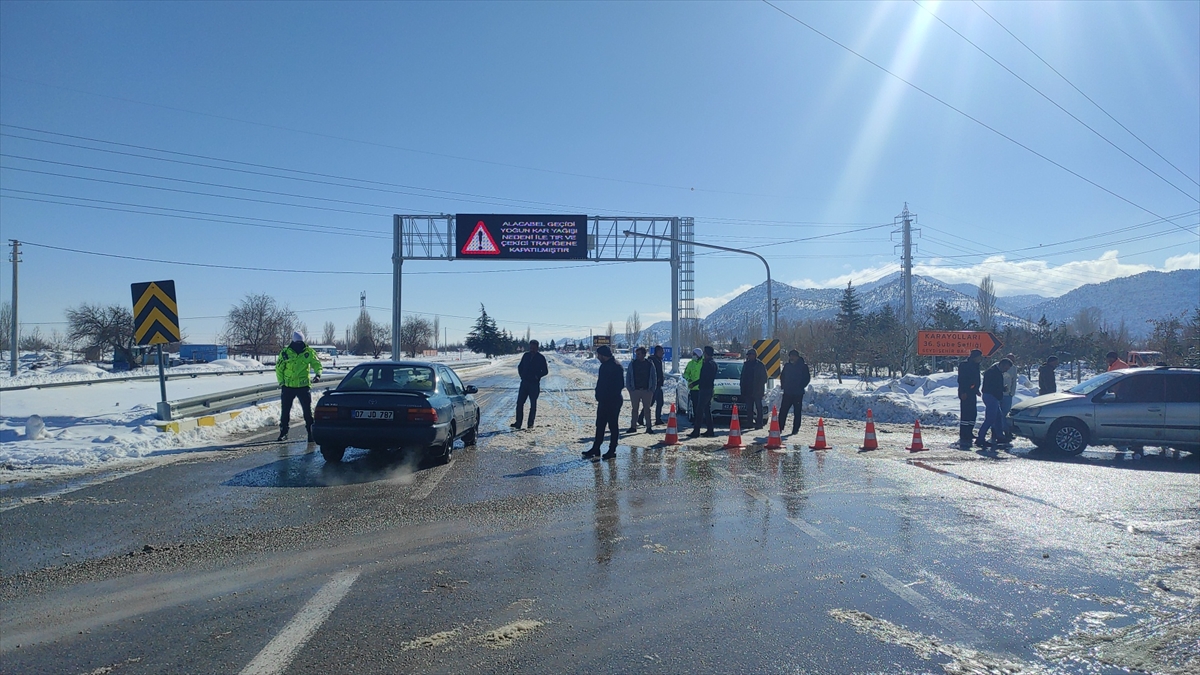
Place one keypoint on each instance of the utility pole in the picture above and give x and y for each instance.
(905, 221)
(14, 258)
(772, 337)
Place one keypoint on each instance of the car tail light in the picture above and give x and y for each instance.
(326, 412)
(422, 415)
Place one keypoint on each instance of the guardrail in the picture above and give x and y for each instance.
(134, 378)
(238, 398)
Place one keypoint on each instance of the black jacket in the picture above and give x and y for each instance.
(754, 378)
(708, 375)
(795, 378)
(993, 382)
(1046, 383)
(532, 367)
(658, 369)
(610, 382)
(968, 378)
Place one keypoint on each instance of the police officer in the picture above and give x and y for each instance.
(968, 392)
(531, 370)
(691, 374)
(291, 370)
(706, 383)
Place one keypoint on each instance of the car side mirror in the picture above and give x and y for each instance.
(471, 389)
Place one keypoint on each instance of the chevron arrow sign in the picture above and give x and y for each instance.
(155, 313)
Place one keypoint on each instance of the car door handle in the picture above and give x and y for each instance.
(1154, 409)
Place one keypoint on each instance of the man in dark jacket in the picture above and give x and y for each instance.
(754, 386)
(968, 392)
(795, 380)
(707, 383)
(993, 390)
(639, 380)
(610, 381)
(1046, 382)
(531, 369)
(656, 359)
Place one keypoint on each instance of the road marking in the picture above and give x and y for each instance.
(927, 607)
(278, 654)
(436, 475)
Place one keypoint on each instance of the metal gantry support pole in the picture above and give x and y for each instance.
(15, 258)
(397, 265)
(770, 299)
(906, 262)
(676, 345)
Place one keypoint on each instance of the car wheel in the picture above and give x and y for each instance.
(471, 436)
(332, 454)
(443, 454)
(1068, 437)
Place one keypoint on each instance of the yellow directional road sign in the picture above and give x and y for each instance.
(769, 353)
(155, 314)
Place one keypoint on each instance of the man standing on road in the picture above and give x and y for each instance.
(691, 374)
(531, 369)
(291, 370)
(1114, 361)
(640, 382)
(656, 360)
(706, 383)
(1010, 390)
(754, 386)
(795, 379)
(968, 392)
(609, 382)
(1046, 383)
(993, 391)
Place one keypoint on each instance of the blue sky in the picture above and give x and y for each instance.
(732, 113)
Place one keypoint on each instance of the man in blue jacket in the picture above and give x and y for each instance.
(795, 379)
(531, 370)
(610, 381)
(993, 392)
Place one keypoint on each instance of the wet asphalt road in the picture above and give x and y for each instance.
(520, 557)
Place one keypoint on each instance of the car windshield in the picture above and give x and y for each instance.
(1092, 384)
(388, 377)
(729, 370)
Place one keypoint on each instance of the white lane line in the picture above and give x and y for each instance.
(927, 607)
(278, 654)
(436, 475)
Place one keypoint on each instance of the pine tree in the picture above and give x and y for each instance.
(945, 316)
(850, 326)
(484, 337)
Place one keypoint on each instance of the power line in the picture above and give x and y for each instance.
(1089, 98)
(1052, 101)
(962, 112)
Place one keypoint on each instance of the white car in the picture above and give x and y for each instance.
(727, 391)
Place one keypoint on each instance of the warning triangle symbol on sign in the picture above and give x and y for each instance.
(480, 242)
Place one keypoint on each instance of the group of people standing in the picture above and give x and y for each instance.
(996, 386)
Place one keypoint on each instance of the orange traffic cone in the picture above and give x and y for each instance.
(672, 429)
(820, 443)
(774, 442)
(735, 431)
(869, 442)
(917, 445)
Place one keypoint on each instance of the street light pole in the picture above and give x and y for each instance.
(770, 324)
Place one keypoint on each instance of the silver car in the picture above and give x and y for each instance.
(1128, 408)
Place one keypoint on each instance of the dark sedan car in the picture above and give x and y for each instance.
(397, 405)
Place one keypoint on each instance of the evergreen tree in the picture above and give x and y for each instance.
(944, 316)
(850, 326)
(484, 337)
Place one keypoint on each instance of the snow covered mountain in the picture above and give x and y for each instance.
(1135, 299)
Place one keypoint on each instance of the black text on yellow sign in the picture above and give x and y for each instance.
(155, 313)
(770, 354)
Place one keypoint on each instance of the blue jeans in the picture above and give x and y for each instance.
(991, 419)
(1006, 406)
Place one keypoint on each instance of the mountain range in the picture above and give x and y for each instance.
(1136, 300)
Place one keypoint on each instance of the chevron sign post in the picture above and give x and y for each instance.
(156, 320)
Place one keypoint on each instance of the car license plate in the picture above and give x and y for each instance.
(728, 407)
(373, 414)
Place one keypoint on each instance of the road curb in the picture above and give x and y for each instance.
(190, 423)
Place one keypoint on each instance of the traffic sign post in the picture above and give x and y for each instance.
(156, 320)
(956, 342)
(770, 354)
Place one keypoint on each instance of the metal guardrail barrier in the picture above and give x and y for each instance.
(238, 398)
(133, 378)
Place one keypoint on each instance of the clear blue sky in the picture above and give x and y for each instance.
(732, 113)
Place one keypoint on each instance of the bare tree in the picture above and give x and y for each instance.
(610, 331)
(328, 333)
(103, 326)
(381, 337)
(259, 325)
(985, 304)
(437, 330)
(33, 341)
(633, 329)
(5, 326)
(415, 335)
(1087, 320)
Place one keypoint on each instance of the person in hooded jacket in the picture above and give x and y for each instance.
(291, 370)
(753, 387)
(531, 369)
(795, 379)
(610, 382)
(1046, 381)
